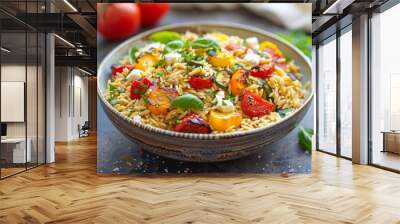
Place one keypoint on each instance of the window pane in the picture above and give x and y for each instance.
(327, 97)
(346, 94)
(385, 89)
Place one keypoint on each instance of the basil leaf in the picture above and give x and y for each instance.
(175, 44)
(305, 138)
(165, 36)
(205, 43)
(132, 54)
(187, 101)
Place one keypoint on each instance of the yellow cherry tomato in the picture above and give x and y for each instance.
(238, 82)
(222, 121)
(158, 101)
(146, 61)
(221, 37)
(272, 46)
(221, 60)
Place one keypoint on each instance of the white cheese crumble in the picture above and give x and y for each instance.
(137, 118)
(222, 105)
(172, 58)
(252, 42)
(251, 58)
(135, 74)
(153, 46)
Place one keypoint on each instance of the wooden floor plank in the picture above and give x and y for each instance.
(70, 191)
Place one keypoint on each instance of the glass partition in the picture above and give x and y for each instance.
(14, 143)
(346, 93)
(22, 77)
(385, 89)
(327, 98)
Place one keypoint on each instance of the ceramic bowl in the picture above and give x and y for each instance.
(202, 147)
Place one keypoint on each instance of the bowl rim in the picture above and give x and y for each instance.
(170, 133)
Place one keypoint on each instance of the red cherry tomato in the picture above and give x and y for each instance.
(255, 106)
(152, 12)
(120, 68)
(197, 82)
(193, 124)
(263, 71)
(118, 20)
(137, 89)
(147, 81)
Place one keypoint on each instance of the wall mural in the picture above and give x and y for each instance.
(205, 97)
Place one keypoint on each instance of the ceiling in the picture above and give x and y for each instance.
(75, 21)
(72, 20)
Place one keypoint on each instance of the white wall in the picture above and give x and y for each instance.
(71, 94)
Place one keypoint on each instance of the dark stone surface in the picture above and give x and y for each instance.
(117, 154)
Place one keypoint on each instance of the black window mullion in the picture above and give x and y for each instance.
(37, 90)
(26, 87)
(317, 97)
(338, 74)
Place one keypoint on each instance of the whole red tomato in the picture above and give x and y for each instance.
(118, 20)
(152, 12)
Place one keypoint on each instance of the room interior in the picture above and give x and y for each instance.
(48, 93)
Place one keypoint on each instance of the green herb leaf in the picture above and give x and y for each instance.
(305, 138)
(112, 88)
(132, 55)
(284, 112)
(267, 91)
(299, 39)
(165, 36)
(187, 101)
(160, 63)
(236, 67)
(193, 60)
(175, 45)
(205, 43)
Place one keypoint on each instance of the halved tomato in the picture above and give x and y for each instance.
(159, 100)
(193, 124)
(263, 71)
(255, 106)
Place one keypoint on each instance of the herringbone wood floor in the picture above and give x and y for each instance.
(70, 191)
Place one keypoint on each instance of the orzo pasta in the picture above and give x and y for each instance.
(210, 83)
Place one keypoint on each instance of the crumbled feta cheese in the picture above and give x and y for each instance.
(251, 59)
(223, 105)
(220, 95)
(210, 36)
(234, 40)
(226, 106)
(153, 46)
(172, 58)
(252, 42)
(137, 118)
(135, 74)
